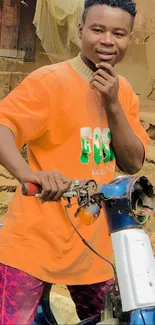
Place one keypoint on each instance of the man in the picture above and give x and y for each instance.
(78, 118)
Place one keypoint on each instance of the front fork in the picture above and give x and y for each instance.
(44, 314)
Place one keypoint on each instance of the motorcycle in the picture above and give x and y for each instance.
(128, 203)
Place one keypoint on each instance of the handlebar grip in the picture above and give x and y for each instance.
(30, 189)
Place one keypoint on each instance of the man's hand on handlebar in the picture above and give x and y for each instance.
(53, 184)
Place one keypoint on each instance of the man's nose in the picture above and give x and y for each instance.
(107, 39)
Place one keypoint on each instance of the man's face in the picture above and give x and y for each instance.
(106, 34)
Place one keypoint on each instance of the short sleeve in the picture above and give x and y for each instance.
(131, 106)
(134, 120)
(25, 110)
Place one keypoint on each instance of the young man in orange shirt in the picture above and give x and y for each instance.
(78, 119)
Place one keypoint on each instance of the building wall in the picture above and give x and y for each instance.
(13, 71)
(139, 64)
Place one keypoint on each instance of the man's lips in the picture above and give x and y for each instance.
(107, 56)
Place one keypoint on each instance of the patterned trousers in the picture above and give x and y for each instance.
(20, 294)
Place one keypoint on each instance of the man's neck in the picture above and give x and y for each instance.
(89, 63)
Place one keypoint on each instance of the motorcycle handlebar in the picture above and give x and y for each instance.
(30, 189)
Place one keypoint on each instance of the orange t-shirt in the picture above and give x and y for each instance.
(55, 111)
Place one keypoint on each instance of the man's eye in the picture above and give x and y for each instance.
(97, 30)
(118, 34)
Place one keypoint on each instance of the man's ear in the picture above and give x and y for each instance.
(80, 29)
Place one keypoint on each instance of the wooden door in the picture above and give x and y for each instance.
(17, 32)
(9, 27)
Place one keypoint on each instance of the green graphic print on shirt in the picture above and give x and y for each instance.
(100, 140)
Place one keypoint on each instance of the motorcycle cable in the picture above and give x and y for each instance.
(86, 242)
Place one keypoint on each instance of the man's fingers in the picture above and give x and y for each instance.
(108, 67)
(102, 73)
(63, 186)
(44, 194)
(46, 188)
(65, 179)
(97, 85)
(53, 186)
(99, 79)
(60, 187)
(66, 183)
(53, 190)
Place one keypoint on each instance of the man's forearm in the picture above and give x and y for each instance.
(128, 148)
(10, 156)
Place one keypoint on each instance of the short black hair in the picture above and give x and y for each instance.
(127, 5)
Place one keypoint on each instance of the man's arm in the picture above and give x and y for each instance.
(10, 156)
(53, 184)
(128, 148)
(24, 116)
